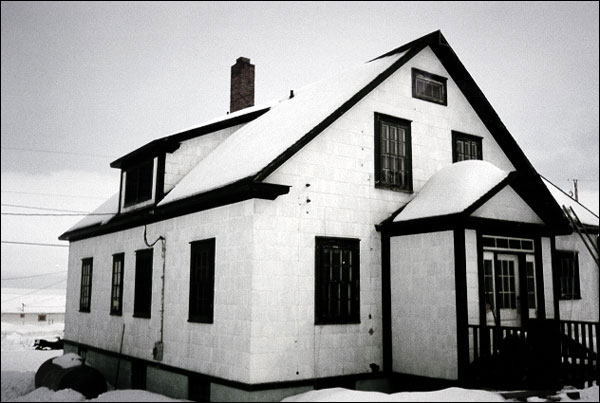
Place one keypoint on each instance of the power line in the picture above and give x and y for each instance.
(44, 208)
(55, 214)
(33, 292)
(35, 275)
(36, 244)
(36, 150)
(52, 194)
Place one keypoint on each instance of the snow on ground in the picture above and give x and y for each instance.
(20, 362)
(445, 395)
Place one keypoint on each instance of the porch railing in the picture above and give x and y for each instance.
(573, 344)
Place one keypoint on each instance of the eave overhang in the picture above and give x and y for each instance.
(241, 190)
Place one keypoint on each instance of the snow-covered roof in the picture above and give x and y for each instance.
(254, 146)
(563, 199)
(453, 189)
(104, 213)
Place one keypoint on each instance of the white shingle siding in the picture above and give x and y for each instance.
(424, 305)
(221, 349)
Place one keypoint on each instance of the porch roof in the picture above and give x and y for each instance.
(455, 189)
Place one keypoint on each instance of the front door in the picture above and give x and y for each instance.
(502, 289)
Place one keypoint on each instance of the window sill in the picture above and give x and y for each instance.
(201, 320)
(393, 188)
(337, 323)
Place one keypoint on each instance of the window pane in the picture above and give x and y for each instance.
(202, 281)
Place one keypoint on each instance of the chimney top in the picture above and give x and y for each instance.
(242, 85)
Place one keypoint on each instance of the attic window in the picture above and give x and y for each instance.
(465, 147)
(429, 87)
(138, 183)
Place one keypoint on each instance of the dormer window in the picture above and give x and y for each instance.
(429, 87)
(138, 183)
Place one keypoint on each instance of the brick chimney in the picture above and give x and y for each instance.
(242, 85)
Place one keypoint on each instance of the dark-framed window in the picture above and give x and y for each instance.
(337, 281)
(202, 281)
(466, 147)
(85, 295)
(393, 162)
(142, 302)
(429, 87)
(567, 264)
(138, 182)
(116, 294)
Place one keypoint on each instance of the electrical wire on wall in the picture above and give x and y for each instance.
(158, 347)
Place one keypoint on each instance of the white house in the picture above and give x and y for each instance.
(379, 229)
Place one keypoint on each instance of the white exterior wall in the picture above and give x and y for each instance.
(338, 166)
(221, 349)
(508, 205)
(180, 162)
(586, 308)
(424, 305)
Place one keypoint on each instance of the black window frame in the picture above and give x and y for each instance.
(85, 290)
(202, 291)
(142, 300)
(406, 126)
(135, 177)
(116, 286)
(322, 317)
(459, 136)
(572, 256)
(416, 73)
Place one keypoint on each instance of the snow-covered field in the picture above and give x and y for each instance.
(20, 362)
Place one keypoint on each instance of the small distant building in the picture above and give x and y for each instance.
(21, 308)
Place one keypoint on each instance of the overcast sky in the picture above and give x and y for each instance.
(84, 83)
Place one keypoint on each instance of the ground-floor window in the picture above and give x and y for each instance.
(337, 280)
(567, 265)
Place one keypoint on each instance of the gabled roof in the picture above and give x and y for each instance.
(252, 153)
(251, 149)
(455, 189)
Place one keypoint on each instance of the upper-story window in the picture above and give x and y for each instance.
(393, 166)
(465, 147)
(138, 183)
(429, 87)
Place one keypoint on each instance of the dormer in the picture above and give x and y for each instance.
(142, 175)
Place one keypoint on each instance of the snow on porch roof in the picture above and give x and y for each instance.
(253, 147)
(453, 189)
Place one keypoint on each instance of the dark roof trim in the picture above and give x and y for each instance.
(478, 203)
(491, 193)
(314, 132)
(465, 220)
(171, 143)
(241, 190)
(457, 221)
